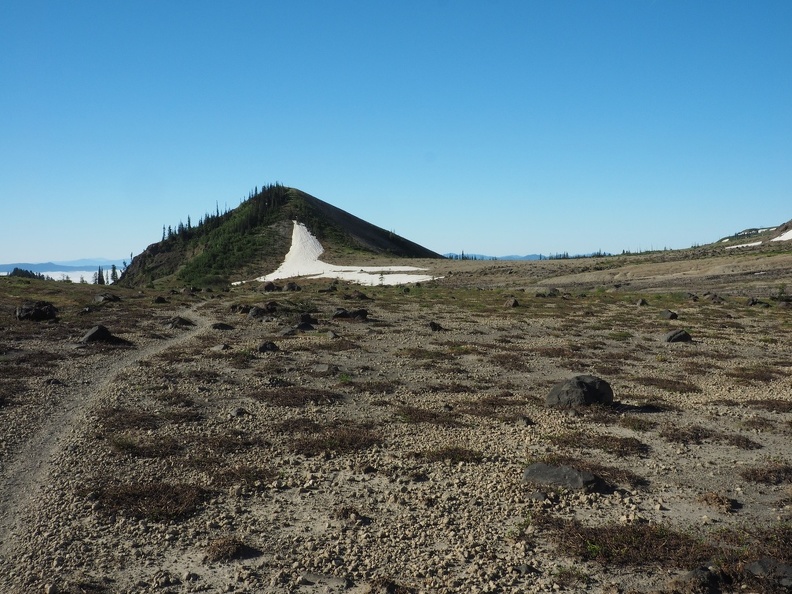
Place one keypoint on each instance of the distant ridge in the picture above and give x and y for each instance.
(255, 237)
(70, 266)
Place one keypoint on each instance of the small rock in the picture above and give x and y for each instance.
(678, 336)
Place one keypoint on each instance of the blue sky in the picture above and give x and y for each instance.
(497, 127)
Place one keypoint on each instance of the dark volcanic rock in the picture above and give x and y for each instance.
(106, 298)
(558, 476)
(222, 326)
(102, 334)
(435, 327)
(511, 302)
(677, 336)
(178, 322)
(268, 347)
(37, 311)
(579, 390)
(667, 314)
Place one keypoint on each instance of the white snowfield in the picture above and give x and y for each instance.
(784, 236)
(742, 245)
(303, 261)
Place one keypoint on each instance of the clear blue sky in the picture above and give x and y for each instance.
(498, 127)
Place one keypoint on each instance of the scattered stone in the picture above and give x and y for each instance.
(540, 473)
(106, 298)
(270, 287)
(667, 314)
(102, 334)
(268, 347)
(220, 348)
(331, 289)
(358, 295)
(304, 327)
(677, 336)
(698, 581)
(692, 297)
(355, 314)
(753, 302)
(237, 412)
(221, 326)
(579, 390)
(160, 299)
(331, 335)
(37, 311)
(306, 318)
(292, 287)
(435, 327)
(178, 322)
(642, 302)
(771, 569)
(257, 311)
(511, 302)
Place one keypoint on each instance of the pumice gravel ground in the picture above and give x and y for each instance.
(381, 453)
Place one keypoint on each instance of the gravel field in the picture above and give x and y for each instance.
(384, 450)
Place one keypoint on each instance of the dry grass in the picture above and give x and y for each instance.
(760, 373)
(624, 545)
(636, 423)
(720, 502)
(612, 475)
(143, 445)
(247, 475)
(697, 435)
(228, 548)
(414, 414)
(339, 439)
(159, 502)
(617, 446)
(775, 405)
(772, 473)
(296, 397)
(669, 384)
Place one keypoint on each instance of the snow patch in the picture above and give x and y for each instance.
(742, 245)
(784, 236)
(303, 261)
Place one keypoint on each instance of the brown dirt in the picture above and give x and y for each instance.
(169, 466)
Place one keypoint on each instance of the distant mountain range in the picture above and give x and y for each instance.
(464, 256)
(63, 266)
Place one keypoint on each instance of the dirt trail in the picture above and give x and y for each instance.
(27, 468)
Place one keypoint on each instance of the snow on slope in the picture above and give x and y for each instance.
(784, 236)
(303, 261)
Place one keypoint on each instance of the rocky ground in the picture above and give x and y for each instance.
(221, 449)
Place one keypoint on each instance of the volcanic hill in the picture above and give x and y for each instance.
(254, 237)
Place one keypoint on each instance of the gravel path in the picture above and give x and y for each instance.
(27, 469)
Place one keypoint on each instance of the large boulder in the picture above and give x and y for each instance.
(549, 475)
(581, 390)
(36, 311)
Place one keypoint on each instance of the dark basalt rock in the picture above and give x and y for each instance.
(580, 390)
(677, 336)
(37, 311)
(559, 476)
(102, 334)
